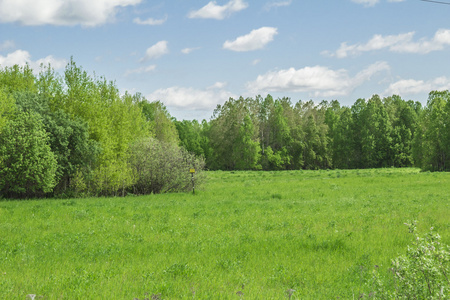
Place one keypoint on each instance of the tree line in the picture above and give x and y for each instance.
(74, 134)
(275, 134)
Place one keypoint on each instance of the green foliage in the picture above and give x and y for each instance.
(233, 129)
(88, 124)
(114, 122)
(423, 273)
(68, 139)
(27, 164)
(434, 141)
(7, 108)
(278, 160)
(246, 150)
(161, 167)
(17, 79)
(159, 120)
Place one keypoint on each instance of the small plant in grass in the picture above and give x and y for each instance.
(423, 273)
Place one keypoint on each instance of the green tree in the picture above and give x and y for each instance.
(279, 138)
(403, 118)
(17, 79)
(194, 138)
(343, 140)
(160, 122)
(375, 135)
(246, 149)
(7, 108)
(68, 138)
(27, 164)
(228, 131)
(434, 132)
(315, 152)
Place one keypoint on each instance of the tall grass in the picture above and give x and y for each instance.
(252, 235)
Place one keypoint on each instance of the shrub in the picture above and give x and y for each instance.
(161, 167)
(423, 273)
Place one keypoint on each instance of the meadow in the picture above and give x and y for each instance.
(243, 235)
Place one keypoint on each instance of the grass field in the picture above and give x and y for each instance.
(245, 235)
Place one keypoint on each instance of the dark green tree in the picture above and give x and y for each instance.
(434, 144)
(27, 164)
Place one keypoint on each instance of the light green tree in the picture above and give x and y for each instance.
(7, 108)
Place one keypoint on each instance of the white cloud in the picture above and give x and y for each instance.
(317, 80)
(6, 45)
(58, 12)
(156, 51)
(190, 98)
(189, 50)
(401, 43)
(22, 57)
(141, 70)
(150, 21)
(411, 86)
(276, 4)
(255, 40)
(218, 85)
(218, 12)
(367, 2)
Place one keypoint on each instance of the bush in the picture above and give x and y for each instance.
(161, 167)
(423, 273)
(27, 164)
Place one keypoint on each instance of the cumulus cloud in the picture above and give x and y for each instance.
(191, 98)
(57, 12)
(366, 2)
(141, 70)
(317, 80)
(255, 40)
(401, 43)
(412, 86)
(218, 12)
(22, 57)
(156, 51)
(150, 21)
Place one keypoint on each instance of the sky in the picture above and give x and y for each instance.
(194, 55)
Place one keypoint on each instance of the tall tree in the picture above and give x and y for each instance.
(7, 108)
(225, 133)
(17, 79)
(246, 150)
(434, 121)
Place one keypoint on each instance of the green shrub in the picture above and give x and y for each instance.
(423, 273)
(161, 167)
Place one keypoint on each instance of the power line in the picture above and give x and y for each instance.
(439, 2)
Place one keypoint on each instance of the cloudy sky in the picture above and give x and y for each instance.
(193, 55)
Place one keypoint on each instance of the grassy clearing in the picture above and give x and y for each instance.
(250, 235)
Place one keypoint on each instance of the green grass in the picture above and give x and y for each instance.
(318, 232)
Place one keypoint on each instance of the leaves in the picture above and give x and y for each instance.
(27, 164)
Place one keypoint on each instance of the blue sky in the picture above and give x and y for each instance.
(193, 55)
